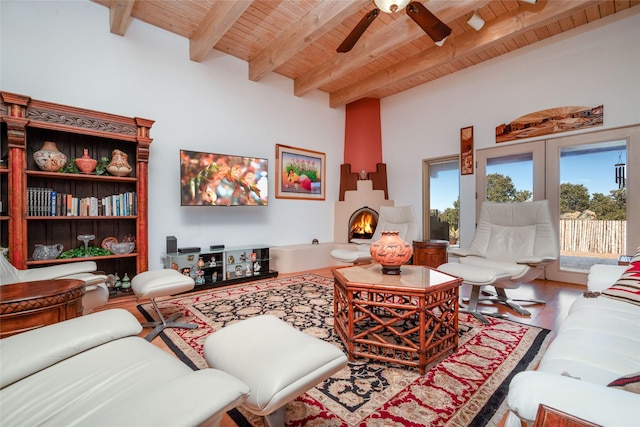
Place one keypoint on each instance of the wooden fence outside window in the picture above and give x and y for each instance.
(593, 236)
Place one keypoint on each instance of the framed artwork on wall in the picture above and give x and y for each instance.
(299, 173)
(466, 150)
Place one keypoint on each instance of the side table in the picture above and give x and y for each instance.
(430, 253)
(625, 259)
(29, 305)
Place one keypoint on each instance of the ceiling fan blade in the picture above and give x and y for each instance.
(357, 32)
(435, 28)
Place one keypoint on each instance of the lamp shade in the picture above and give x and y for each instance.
(390, 6)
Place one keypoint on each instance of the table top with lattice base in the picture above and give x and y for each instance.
(410, 319)
(412, 278)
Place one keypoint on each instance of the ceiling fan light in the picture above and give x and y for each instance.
(476, 22)
(390, 6)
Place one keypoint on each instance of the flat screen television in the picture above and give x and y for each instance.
(209, 179)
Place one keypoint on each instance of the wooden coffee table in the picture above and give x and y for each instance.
(410, 319)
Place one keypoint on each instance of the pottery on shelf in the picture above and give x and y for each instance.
(85, 163)
(391, 252)
(47, 251)
(119, 166)
(49, 158)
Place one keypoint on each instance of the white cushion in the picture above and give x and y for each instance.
(601, 276)
(511, 243)
(276, 361)
(474, 275)
(160, 283)
(127, 382)
(515, 270)
(91, 371)
(48, 346)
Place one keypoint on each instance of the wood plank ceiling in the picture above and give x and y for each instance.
(298, 38)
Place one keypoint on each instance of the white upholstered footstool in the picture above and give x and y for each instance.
(162, 283)
(277, 362)
(477, 277)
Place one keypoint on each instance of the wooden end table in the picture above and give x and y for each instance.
(29, 305)
(430, 253)
(410, 319)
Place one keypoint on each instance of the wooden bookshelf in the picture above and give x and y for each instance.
(25, 125)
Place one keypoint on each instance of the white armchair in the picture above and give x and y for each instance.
(96, 291)
(391, 218)
(512, 244)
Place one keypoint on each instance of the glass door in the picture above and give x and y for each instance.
(589, 187)
(510, 174)
(592, 190)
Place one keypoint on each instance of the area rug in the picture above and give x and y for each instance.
(467, 388)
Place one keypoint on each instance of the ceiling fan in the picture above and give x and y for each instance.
(435, 28)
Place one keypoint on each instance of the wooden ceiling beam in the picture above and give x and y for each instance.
(398, 33)
(501, 29)
(120, 16)
(321, 19)
(219, 19)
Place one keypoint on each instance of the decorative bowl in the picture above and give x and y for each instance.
(107, 242)
(122, 248)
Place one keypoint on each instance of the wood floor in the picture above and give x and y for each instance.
(558, 296)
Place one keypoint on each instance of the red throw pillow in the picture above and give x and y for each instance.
(628, 382)
(627, 287)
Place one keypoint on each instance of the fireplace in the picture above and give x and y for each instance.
(354, 200)
(362, 223)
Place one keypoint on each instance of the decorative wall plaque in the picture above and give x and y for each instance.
(553, 120)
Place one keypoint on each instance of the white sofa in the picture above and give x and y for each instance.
(598, 343)
(94, 370)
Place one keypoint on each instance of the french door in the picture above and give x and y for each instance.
(591, 185)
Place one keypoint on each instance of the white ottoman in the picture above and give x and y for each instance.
(162, 283)
(477, 277)
(277, 362)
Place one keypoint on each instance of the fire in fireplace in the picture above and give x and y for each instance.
(363, 223)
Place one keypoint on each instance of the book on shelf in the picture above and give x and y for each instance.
(48, 202)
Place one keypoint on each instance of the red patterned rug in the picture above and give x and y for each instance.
(466, 388)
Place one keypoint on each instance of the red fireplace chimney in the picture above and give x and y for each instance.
(363, 135)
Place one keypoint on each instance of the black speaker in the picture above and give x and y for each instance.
(172, 245)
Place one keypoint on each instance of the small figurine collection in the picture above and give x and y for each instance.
(238, 265)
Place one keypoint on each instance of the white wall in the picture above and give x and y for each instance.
(587, 67)
(62, 51)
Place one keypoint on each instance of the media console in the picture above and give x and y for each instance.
(223, 266)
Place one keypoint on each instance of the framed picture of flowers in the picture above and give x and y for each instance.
(299, 173)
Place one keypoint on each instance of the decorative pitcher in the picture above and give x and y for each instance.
(85, 163)
(48, 158)
(391, 252)
(119, 165)
(47, 251)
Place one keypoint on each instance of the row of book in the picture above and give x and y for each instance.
(47, 202)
